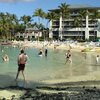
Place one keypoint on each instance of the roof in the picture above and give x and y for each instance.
(78, 6)
(81, 6)
(33, 29)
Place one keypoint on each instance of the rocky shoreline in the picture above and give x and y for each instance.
(55, 92)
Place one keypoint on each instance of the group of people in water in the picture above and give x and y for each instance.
(69, 57)
(22, 59)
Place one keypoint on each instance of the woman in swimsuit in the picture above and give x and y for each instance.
(68, 57)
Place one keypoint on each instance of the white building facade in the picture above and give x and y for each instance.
(30, 33)
(64, 28)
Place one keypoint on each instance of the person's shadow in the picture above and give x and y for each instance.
(9, 81)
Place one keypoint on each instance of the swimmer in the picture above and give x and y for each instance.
(40, 53)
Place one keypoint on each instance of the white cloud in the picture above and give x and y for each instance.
(16, 0)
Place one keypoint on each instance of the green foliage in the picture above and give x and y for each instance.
(10, 24)
(64, 10)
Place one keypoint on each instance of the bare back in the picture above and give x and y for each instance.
(22, 59)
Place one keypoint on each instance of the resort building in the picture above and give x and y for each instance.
(64, 28)
(30, 33)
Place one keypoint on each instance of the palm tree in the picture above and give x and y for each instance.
(2, 22)
(40, 14)
(89, 14)
(50, 16)
(11, 20)
(80, 18)
(84, 14)
(64, 13)
(77, 23)
(13, 24)
(26, 20)
(64, 10)
(3, 25)
(94, 17)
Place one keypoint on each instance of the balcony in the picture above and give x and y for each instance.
(73, 34)
(55, 29)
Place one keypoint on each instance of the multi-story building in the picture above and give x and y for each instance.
(65, 28)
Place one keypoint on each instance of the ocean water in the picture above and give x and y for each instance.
(45, 68)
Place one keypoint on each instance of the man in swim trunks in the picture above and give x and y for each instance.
(22, 58)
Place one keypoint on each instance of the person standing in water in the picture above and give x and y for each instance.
(68, 57)
(46, 52)
(22, 58)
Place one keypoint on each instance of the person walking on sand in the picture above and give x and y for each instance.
(22, 58)
(68, 57)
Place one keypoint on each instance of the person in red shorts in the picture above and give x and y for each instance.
(22, 58)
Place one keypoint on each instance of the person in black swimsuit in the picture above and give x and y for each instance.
(46, 51)
(68, 57)
(40, 52)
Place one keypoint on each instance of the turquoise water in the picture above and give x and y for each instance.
(51, 67)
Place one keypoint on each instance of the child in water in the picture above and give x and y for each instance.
(5, 58)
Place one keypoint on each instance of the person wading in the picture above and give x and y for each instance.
(22, 58)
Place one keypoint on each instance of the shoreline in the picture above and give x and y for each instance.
(54, 45)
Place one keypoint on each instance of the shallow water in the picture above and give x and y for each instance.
(43, 68)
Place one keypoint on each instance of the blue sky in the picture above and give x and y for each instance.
(27, 7)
